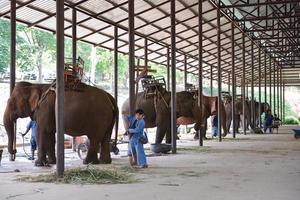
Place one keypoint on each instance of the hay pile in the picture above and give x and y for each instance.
(88, 175)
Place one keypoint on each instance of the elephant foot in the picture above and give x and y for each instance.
(196, 136)
(51, 161)
(41, 163)
(105, 161)
(87, 161)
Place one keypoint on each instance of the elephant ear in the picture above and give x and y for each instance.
(214, 106)
(33, 100)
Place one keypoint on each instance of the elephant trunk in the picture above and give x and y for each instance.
(9, 124)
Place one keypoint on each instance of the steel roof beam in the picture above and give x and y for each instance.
(259, 4)
(260, 18)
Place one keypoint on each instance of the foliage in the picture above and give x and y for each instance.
(4, 45)
(291, 120)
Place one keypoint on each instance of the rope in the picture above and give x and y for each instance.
(23, 144)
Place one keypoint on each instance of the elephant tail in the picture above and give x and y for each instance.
(116, 115)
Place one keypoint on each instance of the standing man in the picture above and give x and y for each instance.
(136, 151)
(31, 125)
(268, 121)
(214, 126)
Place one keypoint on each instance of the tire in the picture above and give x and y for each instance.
(297, 136)
(82, 150)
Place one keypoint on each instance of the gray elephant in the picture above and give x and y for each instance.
(263, 108)
(87, 111)
(238, 114)
(157, 112)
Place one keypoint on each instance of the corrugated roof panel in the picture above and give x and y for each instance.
(46, 5)
(4, 6)
(95, 24)
(95, 6)
(97, 38)
(29, 15)
(116, 14)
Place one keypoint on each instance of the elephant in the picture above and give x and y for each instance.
(87, 111)
(238, 114)
(210, 108)
(157, 112)
(263, 108)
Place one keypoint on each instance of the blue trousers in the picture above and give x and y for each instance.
(214, 131)
(267, 127)
(136, 148)
(33, 143)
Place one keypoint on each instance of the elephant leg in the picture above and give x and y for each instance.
(169, 137)
(42, 147)
(160, 134)
(237, 123)
(224, 127)
(51, 149)
(203, 130)
(163, 129)
(105, 153)
(105, 148)
(92, 152)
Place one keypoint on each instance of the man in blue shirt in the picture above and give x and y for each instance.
(214, 126)
(31, 125)
(268, 121)
(136, 151)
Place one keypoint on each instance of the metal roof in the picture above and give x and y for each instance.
(272, 26)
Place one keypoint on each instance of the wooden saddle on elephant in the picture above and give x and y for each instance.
(151, 85)
(73, 73)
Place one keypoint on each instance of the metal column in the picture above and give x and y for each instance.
(12, 45)
(270, 84)
(283, 102)
(74, 53)
(243, 83)
(281, 97)
(200, 66)
(277, 87)
(74, 35)
(168, 68)
(233, 80)
(131, 58)
(229, 82)
(274, 89)
(219, 73)
(252, 113)
(116, 63)
(60, 88)
(12, 69)
(185, 72)
(265, 82)
(146, 52)
(259, 87)
(173, 77)
(211, 81)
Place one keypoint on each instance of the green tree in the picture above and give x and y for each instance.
(4, 45)
(104, 65)
(38, 43)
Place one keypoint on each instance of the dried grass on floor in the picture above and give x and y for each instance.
(88, 175)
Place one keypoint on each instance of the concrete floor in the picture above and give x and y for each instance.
(259, 167)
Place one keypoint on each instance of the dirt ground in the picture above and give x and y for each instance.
(259, 167)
